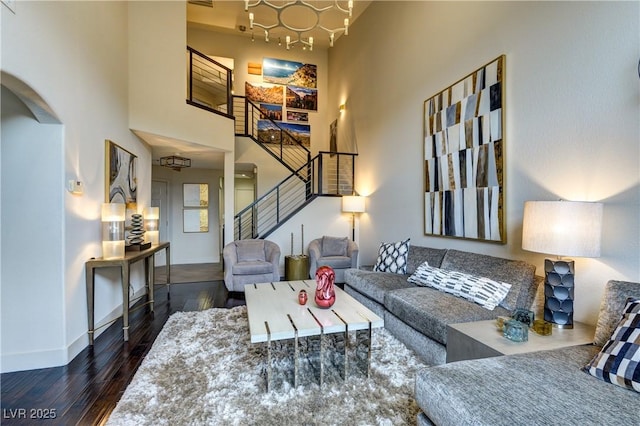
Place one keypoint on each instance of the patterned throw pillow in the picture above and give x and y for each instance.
(483, 291)
(421, 275)
(392, 257)
(619, 360)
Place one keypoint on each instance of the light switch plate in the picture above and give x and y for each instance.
(75, 187)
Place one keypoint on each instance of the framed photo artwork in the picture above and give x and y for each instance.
(121, 184)
(195, 203)
(464, 157)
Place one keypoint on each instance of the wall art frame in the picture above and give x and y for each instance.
(464, 145)
(121, 182)
(195, 203)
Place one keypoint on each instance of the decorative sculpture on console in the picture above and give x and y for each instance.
(325, 293)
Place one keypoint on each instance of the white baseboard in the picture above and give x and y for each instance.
(22, 361)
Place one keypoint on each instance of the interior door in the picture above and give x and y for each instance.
(160, 198)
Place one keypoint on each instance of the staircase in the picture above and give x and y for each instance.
(326, 174)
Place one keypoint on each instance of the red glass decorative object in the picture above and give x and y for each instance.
(302, 297)
(325, 293)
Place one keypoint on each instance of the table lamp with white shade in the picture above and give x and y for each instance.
(151, 224)
(113, 218)
(561, 228)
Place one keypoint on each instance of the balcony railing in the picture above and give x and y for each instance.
(209, 84)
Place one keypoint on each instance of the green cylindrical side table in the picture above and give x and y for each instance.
(296, 267)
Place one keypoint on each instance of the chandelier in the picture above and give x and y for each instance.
(299, 31)
(175, 162)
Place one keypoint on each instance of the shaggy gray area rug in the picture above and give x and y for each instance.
(203, 370)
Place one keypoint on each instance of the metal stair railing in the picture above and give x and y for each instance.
(282, 145)
(327, 174)
(331, 174)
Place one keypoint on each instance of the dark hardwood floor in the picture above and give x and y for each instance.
(86, 390)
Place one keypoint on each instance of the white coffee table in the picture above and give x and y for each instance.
(275, 314)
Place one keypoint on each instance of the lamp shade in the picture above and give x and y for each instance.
(113, 217)
(562, 228)
(353, 204)
(151, 223)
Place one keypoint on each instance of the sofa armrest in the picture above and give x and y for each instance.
(272, 255)
(230, 258)
(315, 253)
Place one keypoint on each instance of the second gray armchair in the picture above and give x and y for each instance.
(249, 262)
(336, 252)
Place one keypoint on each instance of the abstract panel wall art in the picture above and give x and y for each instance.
(121, 182)
(463, 157)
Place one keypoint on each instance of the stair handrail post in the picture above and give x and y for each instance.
(190, 74)
(320, 184)
(338, 174)
(254, 221)
(278, 205)
(230, 93)
(353, 173)
(309, 182)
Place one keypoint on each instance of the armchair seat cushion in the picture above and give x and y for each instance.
(253, 267)
(340, 262)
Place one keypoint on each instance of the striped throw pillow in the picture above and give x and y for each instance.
(483, 291)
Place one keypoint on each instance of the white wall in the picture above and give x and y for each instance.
(32, 291)
(572, 111)
(158, 78)
(190, 247)
(77, 62)
(102, 68)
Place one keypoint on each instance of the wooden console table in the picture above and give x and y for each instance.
(124, 264)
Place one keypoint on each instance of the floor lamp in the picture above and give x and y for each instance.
(562, 228)
(353, 204)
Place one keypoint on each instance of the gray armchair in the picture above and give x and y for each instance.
(249, 262)
(338, 253)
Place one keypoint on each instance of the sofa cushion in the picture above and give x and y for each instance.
(542, 388)
(392, 257)
(483, 291)
(248, 251)
(375, 284)
(615, 297)
(252, 268)
(418, 255)
(429, 311)
(515, 272)
(619, 360)
(339, 262)
(334, 246)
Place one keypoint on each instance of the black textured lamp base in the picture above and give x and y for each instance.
(558, 292)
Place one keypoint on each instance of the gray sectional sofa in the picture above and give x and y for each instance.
(418, 316)
(539, 388)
